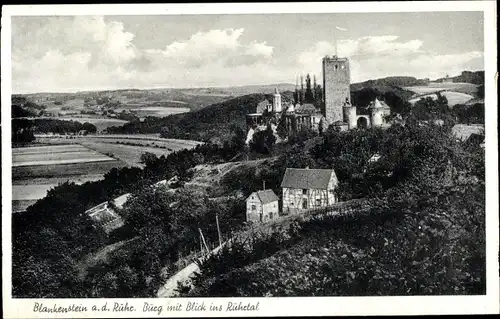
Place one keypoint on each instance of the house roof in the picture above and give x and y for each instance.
(306, 108)
(306, 178)
(463, 131)
(376, 104)
(266, 196)
(476, 138)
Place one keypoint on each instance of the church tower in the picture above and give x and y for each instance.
(277, 101)
(336, 87)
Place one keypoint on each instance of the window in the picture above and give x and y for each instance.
(254, 207)
(271, 215)
(336, 66)
(304, 191)
(304, 204)
(318, 202)
(343, 66)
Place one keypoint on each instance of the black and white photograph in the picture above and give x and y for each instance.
(180, 157)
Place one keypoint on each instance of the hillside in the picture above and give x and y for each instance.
(473, 77)
(392, 81)
(209, 123)
(421, 235)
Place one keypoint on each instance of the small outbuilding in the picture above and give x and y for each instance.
(262, 206)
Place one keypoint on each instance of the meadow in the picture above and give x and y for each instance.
(60, 154)
(37, 169)
(454, 98)
(466, 88)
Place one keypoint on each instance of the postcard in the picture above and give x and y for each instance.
(274, 159)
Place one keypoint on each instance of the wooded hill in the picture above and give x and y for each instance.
(476, 77)
(213, 123)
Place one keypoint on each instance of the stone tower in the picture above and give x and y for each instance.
(277, 101)
(336, 87)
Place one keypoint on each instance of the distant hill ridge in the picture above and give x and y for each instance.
(398, 81)
(473, 77)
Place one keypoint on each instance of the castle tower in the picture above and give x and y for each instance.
(336, 87)
(277, 101)
(350, 115)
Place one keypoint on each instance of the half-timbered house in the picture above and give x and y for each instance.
(305, 189)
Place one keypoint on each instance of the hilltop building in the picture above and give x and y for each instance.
(318, 108)
(305, 189)
(337, 93)
(256, 118)
(262, 206)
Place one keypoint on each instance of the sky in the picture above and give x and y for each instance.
(78, 53)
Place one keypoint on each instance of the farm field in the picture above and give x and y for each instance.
(159, 111)
(130, 154)
(454, 98)
(46, 155)
(466, 88)
(68, 171)
(126, 148)
(56, 159)
(37, 169)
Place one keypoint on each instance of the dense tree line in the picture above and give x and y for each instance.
(22, 107)
(424, 232)
(55, 126)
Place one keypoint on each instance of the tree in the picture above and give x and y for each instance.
(480, 91)
(282, 129)
(263, 141)
(89, 127)
(148, 158)
(397, 104)
(238, 137)
(22, 131)
(308, 95)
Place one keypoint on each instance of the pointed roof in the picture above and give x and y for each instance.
(306, 178)
(276, 91)
(265, 196)
(376, 104)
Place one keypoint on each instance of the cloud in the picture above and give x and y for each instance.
(91, 53)
(380, 56)
(215, 46)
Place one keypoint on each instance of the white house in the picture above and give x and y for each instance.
(262, 206)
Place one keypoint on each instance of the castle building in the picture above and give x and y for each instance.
(338, 110)
(276, 101)
(336, 87)
(318, 108)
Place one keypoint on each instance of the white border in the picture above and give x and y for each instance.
(313, 306)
